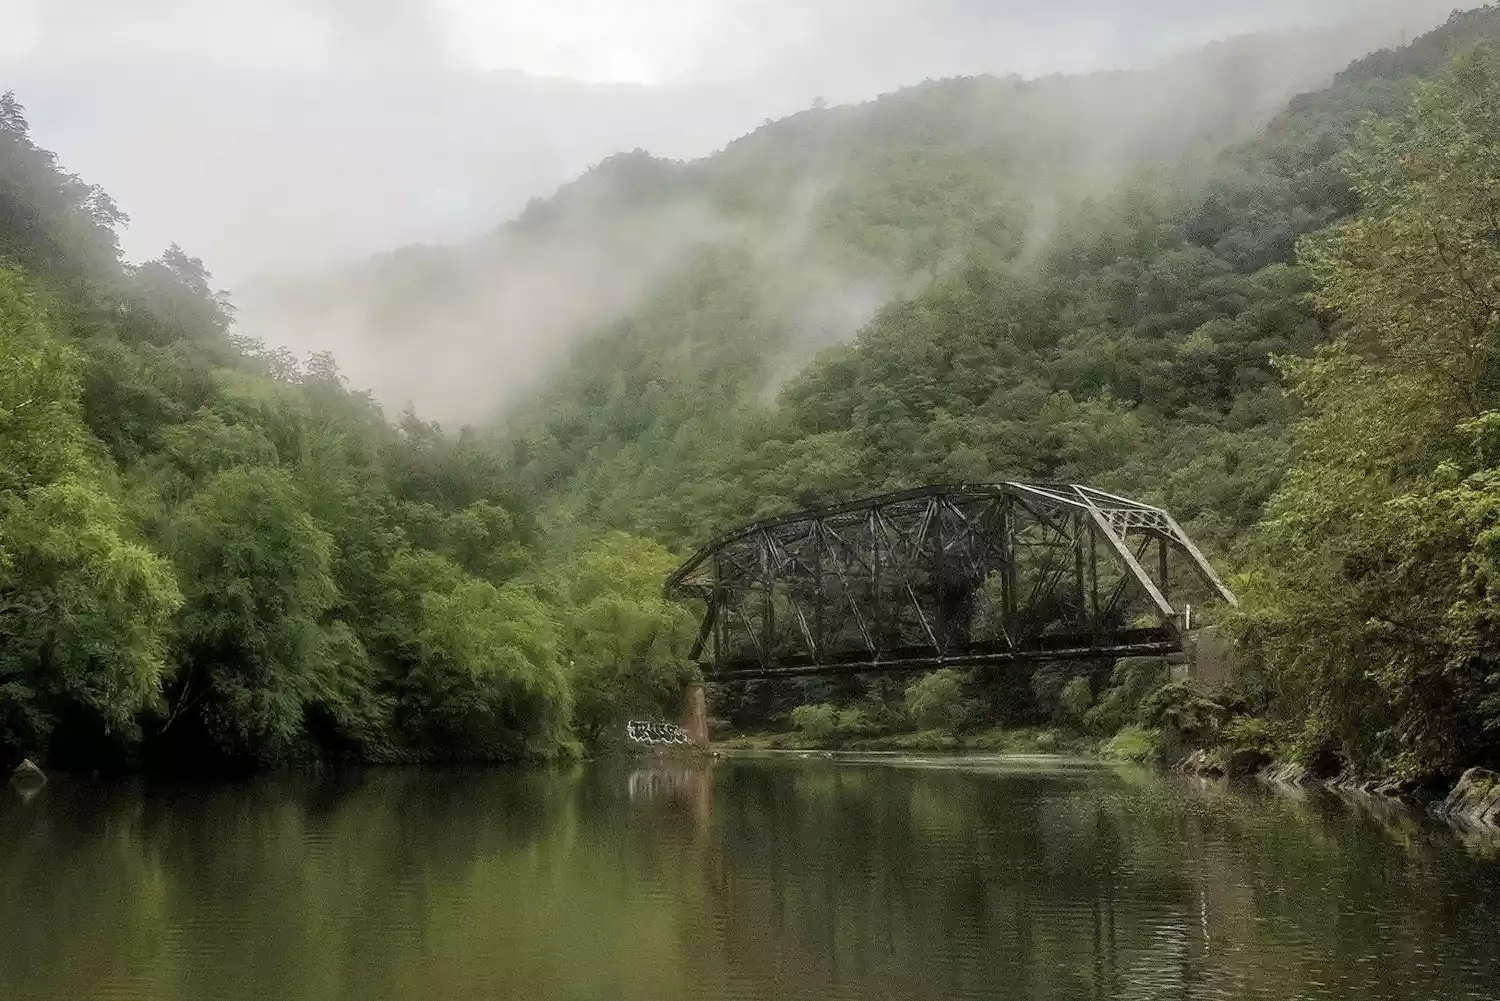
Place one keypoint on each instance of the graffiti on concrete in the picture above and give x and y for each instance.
(656, 734)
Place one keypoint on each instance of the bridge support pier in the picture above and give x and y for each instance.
(694, 721)
(1209, 659)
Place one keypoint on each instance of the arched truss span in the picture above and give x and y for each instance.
(946, 576)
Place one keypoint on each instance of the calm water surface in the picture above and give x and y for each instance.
(736, 880)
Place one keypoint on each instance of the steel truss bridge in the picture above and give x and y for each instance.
(946, 576)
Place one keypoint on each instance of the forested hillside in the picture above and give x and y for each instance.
(1129, 343)
(825, 215)
(1149, 344)
(211, 553)
(211, 556)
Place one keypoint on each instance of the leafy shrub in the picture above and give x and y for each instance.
(1077, 696)
(625, 646)
(936, 701)
(1250, 733)
(826, 723)
(1135, 744)
(1181, 711)
(854, 722)
(1133, 679)
(1246, 744)
(816, 722)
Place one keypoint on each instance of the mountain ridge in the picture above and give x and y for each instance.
(840, 188)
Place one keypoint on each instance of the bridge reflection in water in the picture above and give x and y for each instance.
(946, 576)
(686, 784)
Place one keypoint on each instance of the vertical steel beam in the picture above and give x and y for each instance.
(1163, 571)
(1008, 579)
(941, 564)
(768, 604)
(719, 620)
(1094, 616)
(877, 620)
(1079, 585)
(817, 630)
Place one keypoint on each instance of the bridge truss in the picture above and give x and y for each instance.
(946, 576)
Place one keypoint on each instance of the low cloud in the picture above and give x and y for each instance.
(290, 138)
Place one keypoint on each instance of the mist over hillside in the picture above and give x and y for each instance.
(297, 171)
(840, 209)
(305, 134)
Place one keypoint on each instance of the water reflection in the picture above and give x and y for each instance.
(683, 783)
(667, 878)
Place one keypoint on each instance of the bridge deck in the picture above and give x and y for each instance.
(1134, 643)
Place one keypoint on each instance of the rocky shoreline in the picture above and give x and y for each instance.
(1474, 802)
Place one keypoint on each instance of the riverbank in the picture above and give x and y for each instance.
(998, 740)
(1472, 802)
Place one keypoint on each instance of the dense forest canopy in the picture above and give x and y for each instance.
(1280, 326)
(1131, 348)
(213, 556)
(838, 210)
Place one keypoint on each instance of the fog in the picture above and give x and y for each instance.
(284, 141)
(278, 134)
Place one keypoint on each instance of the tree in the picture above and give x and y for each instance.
(84, 609)
(13, 115)
(256, 575)
(1369, 611)
(816, 722)
(626, 646)
(936, 701)
(480, 676)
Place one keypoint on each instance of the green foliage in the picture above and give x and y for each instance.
(53, 223)
(1370, 609)
(221, 555)
(823, 723)
(816, 722)
(84, 609)
(257, 583)
(1133, 680)
(216, 557)
(625, 646)
(487, 683)
(1135, 744)
(854, 721)
(1122, 335)
(1183, 714)
(936, 701)
(1077, 696)
(1247, 744)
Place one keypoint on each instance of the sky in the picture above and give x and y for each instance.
(265, 134)
(651, 42)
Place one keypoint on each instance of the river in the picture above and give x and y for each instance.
(736, 879)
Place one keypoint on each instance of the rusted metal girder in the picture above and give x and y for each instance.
(945, 576)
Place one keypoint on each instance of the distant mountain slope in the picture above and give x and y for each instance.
(1132, 347)
(843, 208)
